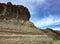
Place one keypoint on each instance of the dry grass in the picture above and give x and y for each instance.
(26, 39)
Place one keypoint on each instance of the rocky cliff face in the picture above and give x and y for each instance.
(15, 13)
(9, 11)
(11, 18)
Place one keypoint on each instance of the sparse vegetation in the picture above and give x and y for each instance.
(22, 40)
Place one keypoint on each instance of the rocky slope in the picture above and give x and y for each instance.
(15, 19)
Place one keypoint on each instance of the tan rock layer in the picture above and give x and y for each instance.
(15, 31)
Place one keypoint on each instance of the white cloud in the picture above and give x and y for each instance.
(47, 21)
(58, 28)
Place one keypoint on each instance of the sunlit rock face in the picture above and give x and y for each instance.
(15, 13)
(11, 18)
(9, 11)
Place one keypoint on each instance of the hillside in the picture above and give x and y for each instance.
(14, 23)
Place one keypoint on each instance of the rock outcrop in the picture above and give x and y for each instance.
(52, 33)
(11, 18)
(9, 11)
(15, 13)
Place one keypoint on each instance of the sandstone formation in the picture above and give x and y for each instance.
(14, 13)
(11, 18)
(9, 11)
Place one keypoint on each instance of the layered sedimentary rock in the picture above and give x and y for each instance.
(11, 18)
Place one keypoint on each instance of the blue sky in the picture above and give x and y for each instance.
(44, 13)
